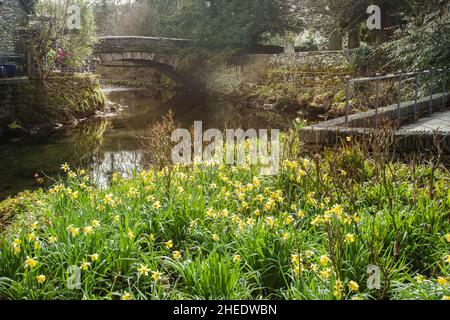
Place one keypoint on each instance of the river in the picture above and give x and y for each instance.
(106, 145)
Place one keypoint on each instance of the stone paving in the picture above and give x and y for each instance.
(438, 120)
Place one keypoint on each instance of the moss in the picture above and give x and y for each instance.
(82, 96)
(11, 207)
(57, 99)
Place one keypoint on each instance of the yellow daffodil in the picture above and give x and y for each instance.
(296, 259)
(169, 244)
(156, 275)
(353, 286)
(447, 237)
(31, 236)
(88, 230)
(109, 199)
(30, 262)
(269, 205)
(143, 270)
(420, 278)
(130, 234)
(225, 213)
(314, 267)
(297, 270)
(52, 239)
(94, 257)
(317, 220)
(324, 260)
(311, 200)
(73, 231)
(215, 237)
(41, 278)
(95, 223)
(176, 255)
(324, 274)
(338, 289)
(235, 218)
(337, 210)
(270, 221)
(65, 167)
(301, 174)
(259, 198)
(85, 265)
(288, 220)
(126, 296)
(349, 238)
(443, 281)
(300, 214)
(156, 205)
(210, 213)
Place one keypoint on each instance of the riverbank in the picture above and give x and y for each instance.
(309, 85)
(40, 107)
(307, 233)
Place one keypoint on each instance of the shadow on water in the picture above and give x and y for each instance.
(108, 145)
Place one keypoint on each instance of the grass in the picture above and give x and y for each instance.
(225, 232)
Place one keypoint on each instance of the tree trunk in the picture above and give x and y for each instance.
(335, 40)
(354, 37)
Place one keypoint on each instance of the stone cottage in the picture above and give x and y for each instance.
(13, 19)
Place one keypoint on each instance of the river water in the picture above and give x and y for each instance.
(107, 145)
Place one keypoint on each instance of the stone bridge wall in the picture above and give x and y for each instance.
(139, 44)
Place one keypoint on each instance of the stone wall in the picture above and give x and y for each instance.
(28, 107)
(12, 16)
(16, 95)
(311, 59)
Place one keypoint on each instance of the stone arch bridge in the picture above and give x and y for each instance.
(161, 54)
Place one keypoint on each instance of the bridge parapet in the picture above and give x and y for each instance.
(140, 44)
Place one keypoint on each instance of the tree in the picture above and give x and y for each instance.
(422, 42)
(50, 31)
(241, 23)
(335, 18)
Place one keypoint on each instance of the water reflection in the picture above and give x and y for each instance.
(123, 162)
(109, 145)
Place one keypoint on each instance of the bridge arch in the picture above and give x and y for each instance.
(156, 53)
(159, 53)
